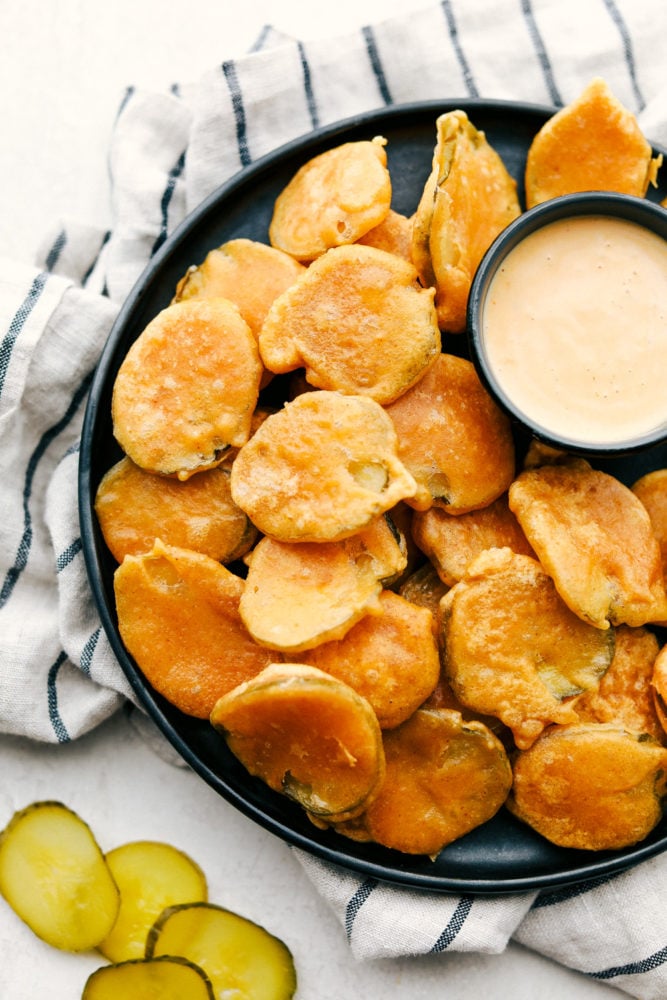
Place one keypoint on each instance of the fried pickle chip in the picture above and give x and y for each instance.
(590, 787)
(187, 388)
(391, 659)
(333, 199)
(425, 588)
(298, 595)
(513, 649)
(320, 469)
(451, 543)
(444, 777)
(652, 491)
(178, 616)
(659, 687)
(624, 695)
(305, 734)
(134, 507)
(248, 273)
(357, 321)
(594, 537)
(467, 200)
(453, 438)
(393, 234)
(592, 144)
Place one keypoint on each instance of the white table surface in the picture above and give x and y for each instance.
(64, 67)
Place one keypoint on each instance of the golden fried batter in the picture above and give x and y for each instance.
(391, 659)
(453, 438)
(624, 695)
(590, 787)
(592, 144)
(178, 616)
(320, 469)
(468, 199)
(135, 507)
(512, 647)
(652, 491)
(333, 199)
(187, 388)
(594, 537)
(357, 321)
(451, 543)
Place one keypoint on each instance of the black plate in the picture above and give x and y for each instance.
(503, 855)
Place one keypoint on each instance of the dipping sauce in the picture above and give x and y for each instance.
(574, 327)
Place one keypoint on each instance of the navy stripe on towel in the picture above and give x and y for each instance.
(648, 964)
(456, 43)
(617, 18)
(23, 551)
(356, 902)
(231, 76)
(18, 322)
(308, 87)
(540, 49)
(165, 201)
(52, 700)
(457, 921)
(376, 65)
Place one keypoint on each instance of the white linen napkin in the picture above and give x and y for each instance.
(58, 676)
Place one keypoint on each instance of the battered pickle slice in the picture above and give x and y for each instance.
(594, 537)
(248, 273)
(333, 199)
(592, 144)
(134, 507)
(590, 787)
(444, 777)
(357, 321)
(178, 616)
(659, 687)
(391, 658)
(425, 588)
(320, 469)
(453, 438)
(394, 234)
(307, 735)
(298, 595)
(624, 695)
(512, 647)
(187, 388)
(451, 543)
(651, 489)
(467, 200)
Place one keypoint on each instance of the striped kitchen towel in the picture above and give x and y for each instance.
(169, 150)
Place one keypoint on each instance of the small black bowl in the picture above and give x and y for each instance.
(645, 213)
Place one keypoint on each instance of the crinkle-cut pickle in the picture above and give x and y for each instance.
(308, 735)
(55, 877)
(168, 977)
(241, 958)
(150, 876)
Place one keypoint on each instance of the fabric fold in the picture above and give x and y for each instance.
(169, 151)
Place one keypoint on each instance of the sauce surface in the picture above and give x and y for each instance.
(575, 329)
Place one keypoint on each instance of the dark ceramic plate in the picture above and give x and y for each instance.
(502, 855)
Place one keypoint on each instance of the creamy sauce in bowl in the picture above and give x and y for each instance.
(574, 329)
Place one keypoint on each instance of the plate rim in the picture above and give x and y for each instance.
(146, 696)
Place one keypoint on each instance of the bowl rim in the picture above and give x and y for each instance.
(641, 211)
